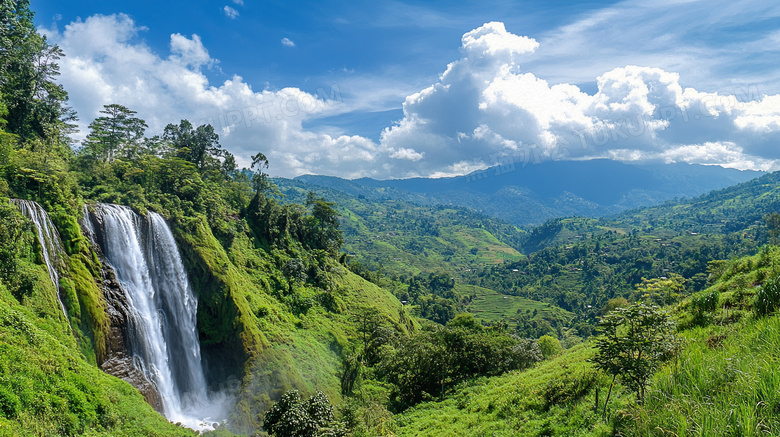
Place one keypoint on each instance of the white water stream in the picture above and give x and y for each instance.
(163, 334)
(49, 239)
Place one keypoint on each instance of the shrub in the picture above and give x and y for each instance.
(702, 305)
(9, 403)
(549, 346)
(767, 298)
(294, 417)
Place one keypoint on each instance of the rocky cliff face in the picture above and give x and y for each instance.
(119, 355)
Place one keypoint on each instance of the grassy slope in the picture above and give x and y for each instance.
(516, 403)
(280, 349)
(493, 307)
(407, 239)
(48, 387)
(723, 383)
(726, 382)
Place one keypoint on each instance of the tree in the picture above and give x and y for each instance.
(259, 178)
(635, 341)
(118, 130)
(773, 223)
(323, 225)
(614, 303)
(662, 291)
(13, 237)
(371, 326)
(28, 66)
(294, 417)
(199, 146)
(431, 361)
(549, 346)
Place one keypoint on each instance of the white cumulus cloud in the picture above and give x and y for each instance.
(107, 63)
(483, 110)
(230, 12)
(287, 42)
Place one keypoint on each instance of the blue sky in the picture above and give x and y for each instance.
(399, 89)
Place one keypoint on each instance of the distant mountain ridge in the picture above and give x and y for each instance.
(536, 193)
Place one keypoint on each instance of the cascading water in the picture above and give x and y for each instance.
(49, 238)
(163, 335)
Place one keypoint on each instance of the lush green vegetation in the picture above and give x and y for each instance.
(402, 239)
(275, 305)
(278, 309)
(573, 264)
(48, 388)
(294, 417)
(589, 261)
(411, 320)
(400, 246)
(722, 381)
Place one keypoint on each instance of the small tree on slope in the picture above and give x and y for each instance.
(635, 341)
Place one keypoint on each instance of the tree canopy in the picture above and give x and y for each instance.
(28, 66)
(293, 416)
(635, 341)
(199, 146)
(118, 130)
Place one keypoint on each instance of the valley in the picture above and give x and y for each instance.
(163, 277)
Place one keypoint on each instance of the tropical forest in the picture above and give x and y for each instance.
(484, 266)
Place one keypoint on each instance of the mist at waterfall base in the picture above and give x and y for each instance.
(163, 333)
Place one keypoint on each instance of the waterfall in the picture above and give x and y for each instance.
(163, 335)
(49, 239)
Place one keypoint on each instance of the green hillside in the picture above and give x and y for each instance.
(731, 210)
(579, 264)
(722, 382)
(347, 311)
(493, 307)
(403, 238)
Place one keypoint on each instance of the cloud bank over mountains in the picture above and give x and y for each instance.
(483, 110)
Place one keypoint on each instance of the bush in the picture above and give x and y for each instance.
(294, 417)
(702, 307)
(9, 403)
(550, 346)
(767, 298)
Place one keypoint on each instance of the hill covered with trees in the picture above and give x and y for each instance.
(358, 308)
(277, 309)
(530, 193)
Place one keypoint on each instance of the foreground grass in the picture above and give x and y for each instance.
(47, 388)
(726, 383)
(555, 398)
(723, 383)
